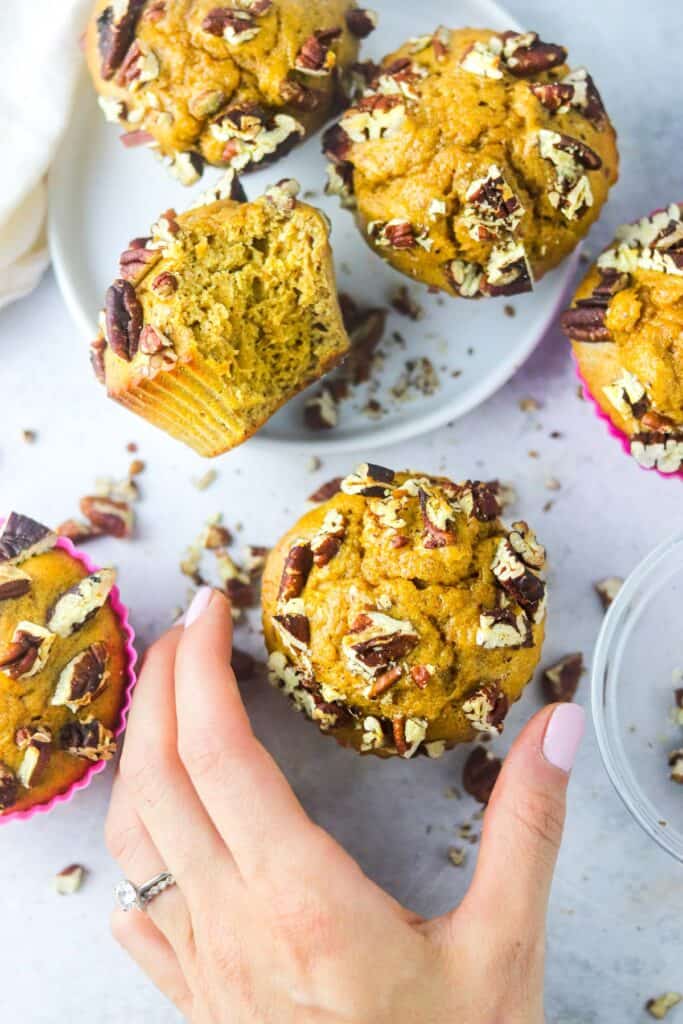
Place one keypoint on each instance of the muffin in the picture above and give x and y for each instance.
(232, 85)
(401, 615)
(64, 666)
(221, 315)
(474, 161)
(626, 328)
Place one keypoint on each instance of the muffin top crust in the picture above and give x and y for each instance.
(63, 666)
(626, 326)
(401, 615)
(233, 85)
(474, 160)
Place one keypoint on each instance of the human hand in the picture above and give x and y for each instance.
(270, 920)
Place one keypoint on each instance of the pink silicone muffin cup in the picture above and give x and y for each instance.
(623, 438)
(97, 767)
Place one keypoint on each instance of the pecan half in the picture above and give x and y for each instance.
(27, 652)
(486, 709)
(83, 678)
(13, 582)
(479, 774)
(298, 564)
(528, 55)
(21, 538)
(361, 22)
(123, 319)
(114, 35)
(9, 788)
(316, 56)
(135, 260)
(585, 323)
(561, 681)
(115, 518)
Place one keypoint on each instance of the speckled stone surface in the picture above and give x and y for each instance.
(614, 933)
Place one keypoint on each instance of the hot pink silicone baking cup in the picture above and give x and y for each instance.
(96, 768)
(623, 438)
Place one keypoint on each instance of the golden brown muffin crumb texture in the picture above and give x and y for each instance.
(25, 701)
(386, 622)
(234, 84)
(626, 327)
(228, 311)
(474, 161)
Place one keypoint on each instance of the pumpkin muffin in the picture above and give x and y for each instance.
(475, 161)
(401, 615)
(233, 85)
(626, 328)
(63, 666)
(221, 315)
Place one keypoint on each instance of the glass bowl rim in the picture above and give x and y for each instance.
(637, 804)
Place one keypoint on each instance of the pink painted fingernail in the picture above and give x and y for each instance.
(200, 602)
(563, 735)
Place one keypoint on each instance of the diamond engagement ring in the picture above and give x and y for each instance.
(129, 896)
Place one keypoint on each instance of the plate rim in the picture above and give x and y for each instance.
(376, 434)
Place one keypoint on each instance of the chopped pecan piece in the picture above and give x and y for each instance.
(408, 734)
(661, 450)
(298, 564)
(553, 95)
(114, 518)
(369, 481)
(299, 96)
(561, 681)
(316, 56)
(421, 674)
(236, 26)
(376, 641)
(492, 210)
(523, 540)
(136, 259)
(479, 500)
(13, 582)
(336, 144)
(608, 589)
(115, 33)
(83, 678)
(508, 271)
(123, 319)
(88, 738)
(283, 195)
(486, 709)
(137, 138)
(35, 741)
(294, 626)
(77, 531)
(386, 681)
(70, 879)
(327, 542)
(395, 234)
(81, 602)
(676, 766)
(320, 411)
(438, 516)
(21, 538)
(520, 582)
(660, 1005)
(165, 284)
(326, 490)
(501, 627)
(361, 22)
(403, 302)
(138, 66)
(97, 350)
(9, 787)
(479, 774)
(527, 55)
(28, 650)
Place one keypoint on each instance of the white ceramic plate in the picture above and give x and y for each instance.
(102, 194)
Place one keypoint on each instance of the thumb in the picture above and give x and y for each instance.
(524, 822)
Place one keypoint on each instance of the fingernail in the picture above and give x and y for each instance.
(200, 602)
(563, 735)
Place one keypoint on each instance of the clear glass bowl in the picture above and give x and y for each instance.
(639, 649)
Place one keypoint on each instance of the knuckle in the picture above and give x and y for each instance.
(146, 778)
(540, 813)
(205, 756)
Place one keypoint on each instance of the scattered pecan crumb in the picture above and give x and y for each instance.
(326, 490)
(479, 774)
(69, 879)
(553, 484)
(561, 680)
(659, 1006)
(313, 464)
(457, 856)
(529, 404)
(131, 447)
(205, 481)
(608, 589)
(403, 302)
(136, 467)
(29, 436)
(509, 310)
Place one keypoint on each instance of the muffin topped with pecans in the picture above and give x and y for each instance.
(474, 161)
(233, 85)
(626, 328)
(63, 666)
(401, 615)
(221, 315)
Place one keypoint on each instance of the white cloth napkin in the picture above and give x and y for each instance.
(41, 62)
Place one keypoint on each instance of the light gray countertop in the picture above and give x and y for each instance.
(615, 934)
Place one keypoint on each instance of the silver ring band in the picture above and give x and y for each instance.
(130, 896)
